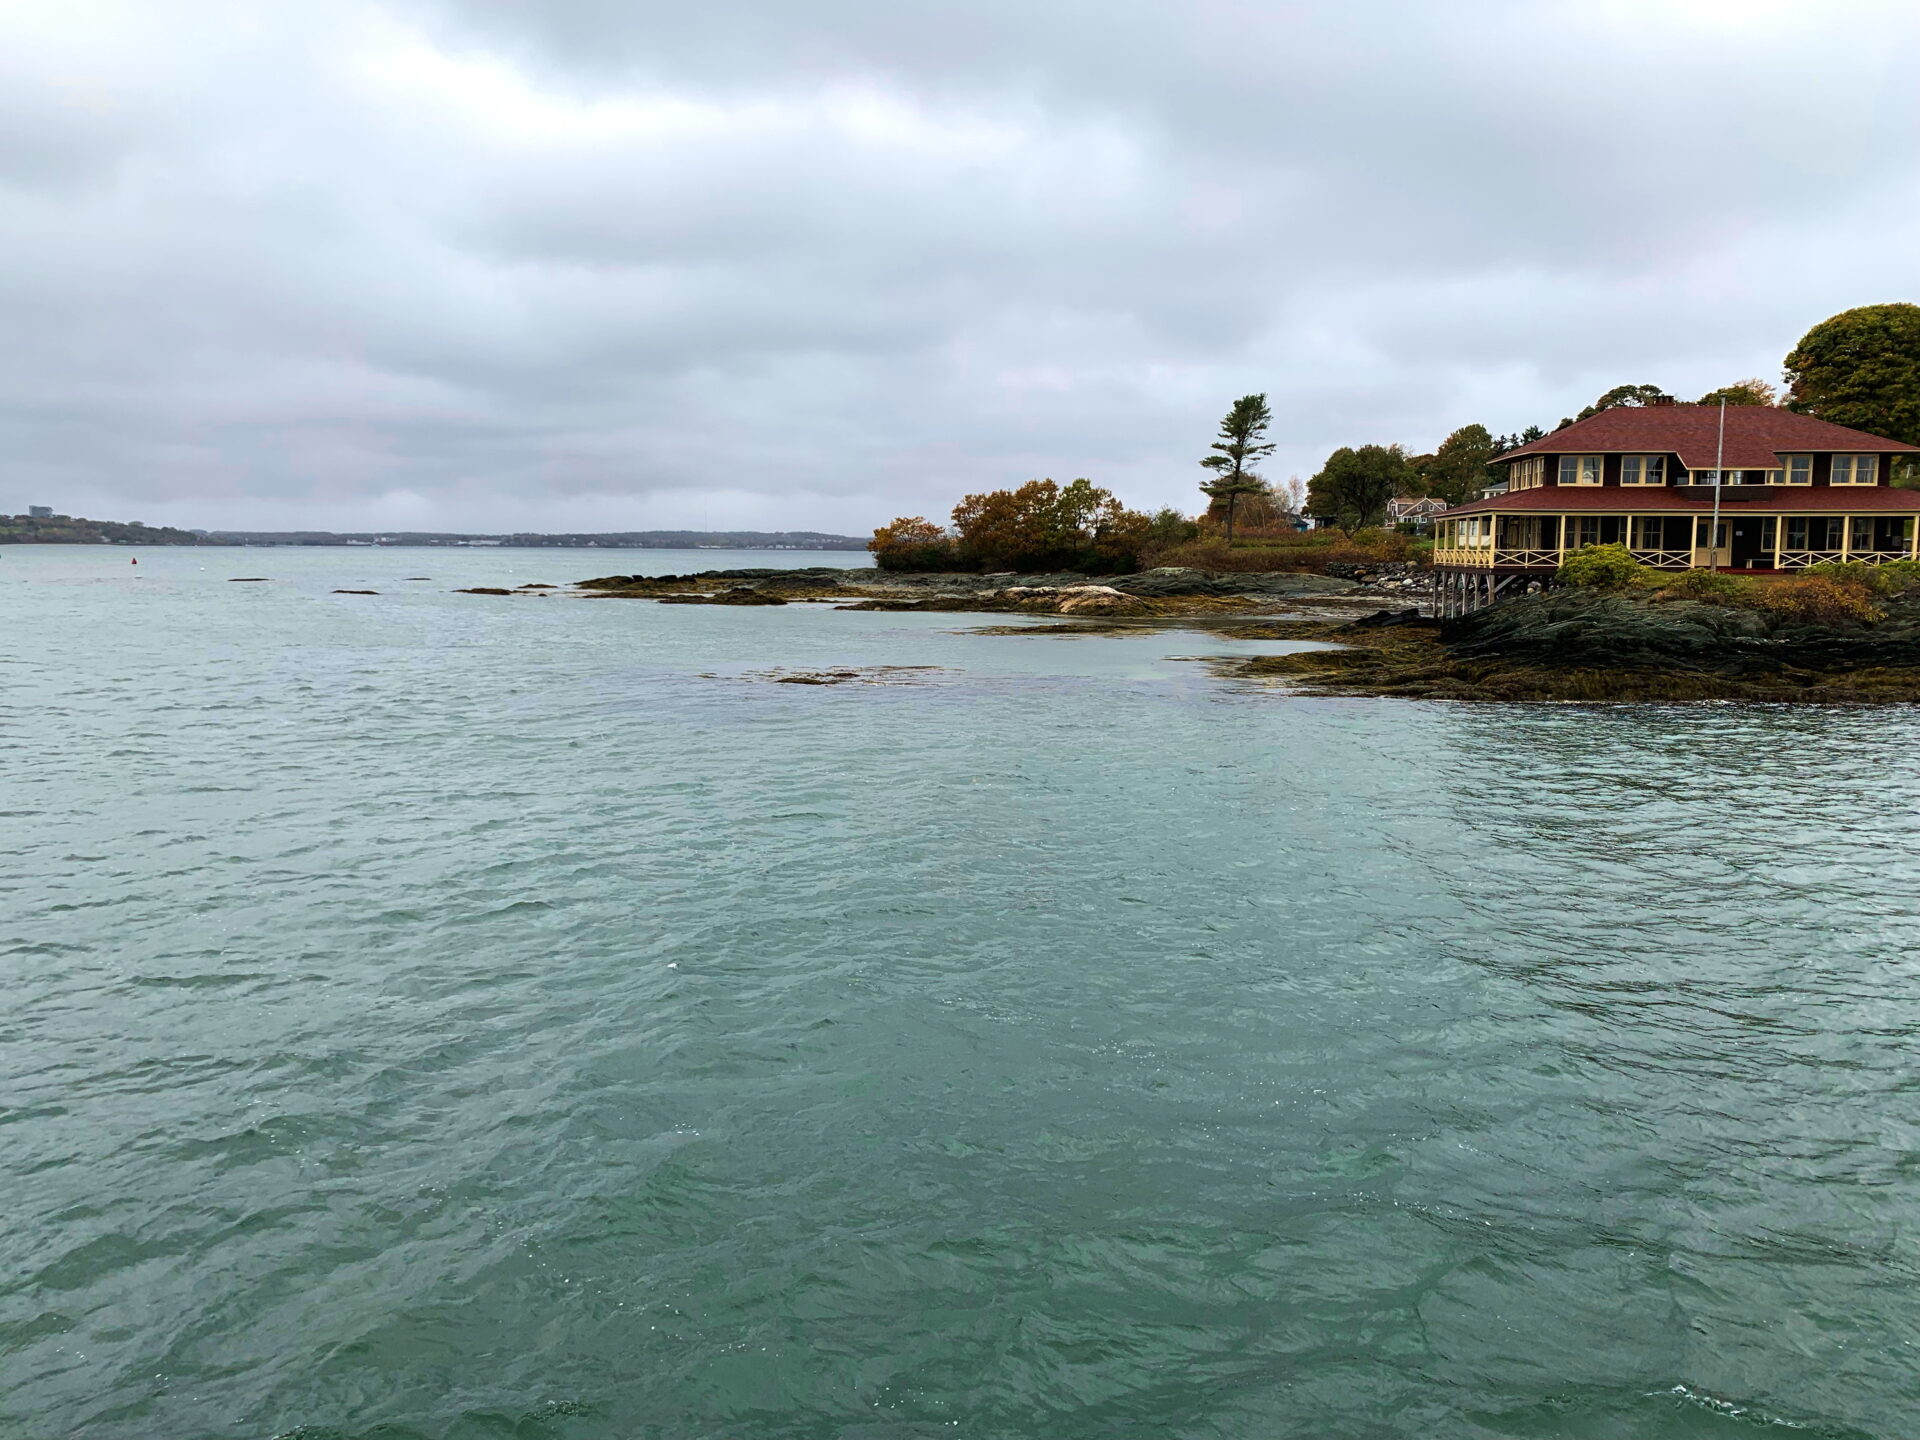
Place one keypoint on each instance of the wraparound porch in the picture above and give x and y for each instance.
(1675, 542)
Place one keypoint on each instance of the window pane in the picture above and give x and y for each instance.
(1656, 470)
(1800, 470)
(1865, 468)
(1629, 469)
(1843, 469)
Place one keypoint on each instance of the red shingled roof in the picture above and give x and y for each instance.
(1645, 500)
(1757, 435)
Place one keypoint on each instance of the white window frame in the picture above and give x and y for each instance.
(1642, 466)
(1857, 465)
(1527, 474)
(1796, 470)
(1582, 466)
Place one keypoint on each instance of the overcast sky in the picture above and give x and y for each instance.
(596, 264)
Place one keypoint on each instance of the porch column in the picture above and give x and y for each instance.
(1779, 538)
(1846, 538)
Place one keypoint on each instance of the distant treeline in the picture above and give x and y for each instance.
(619, 539)
(73, 530)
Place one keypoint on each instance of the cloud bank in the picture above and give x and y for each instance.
(592, 264)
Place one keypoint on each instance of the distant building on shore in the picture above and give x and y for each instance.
(39, 512)
(1417, 510)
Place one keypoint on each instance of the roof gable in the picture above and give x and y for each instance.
(1756, 435)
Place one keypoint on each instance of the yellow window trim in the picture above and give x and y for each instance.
(1643, 483)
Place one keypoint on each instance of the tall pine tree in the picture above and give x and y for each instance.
(1242, 442)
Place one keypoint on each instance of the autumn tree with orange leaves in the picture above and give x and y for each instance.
(1040, 526)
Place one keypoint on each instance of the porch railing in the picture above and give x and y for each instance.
(1533, 558)
(1879, 557)
(1800, 559)
(1665, 559)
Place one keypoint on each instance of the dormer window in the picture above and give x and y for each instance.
(1643, 469)
(1580, 470)
(1856, 469)
(1798, 470)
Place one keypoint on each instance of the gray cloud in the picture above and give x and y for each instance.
(592, 263)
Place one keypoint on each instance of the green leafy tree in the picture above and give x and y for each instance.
(1742, 392)
(1354, 486)
(1460, 466)
(1169, 527)
(1861, 368)
(1513, 442)
(1622, 395)
(1242, 442)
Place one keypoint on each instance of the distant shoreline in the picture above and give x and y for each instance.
(75, 530)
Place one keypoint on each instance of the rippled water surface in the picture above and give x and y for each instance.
(431, 1015)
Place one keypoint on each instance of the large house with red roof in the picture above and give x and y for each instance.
(1793, 491)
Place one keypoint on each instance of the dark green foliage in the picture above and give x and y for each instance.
(1354, 486)
(1742, 392)
(1622, 395)
(1513, 442)
(1861, 369)
(1242, 442)
(1709, 587)
(1169, 527)
(72, 530)
(1601, 567)
(1460, 467)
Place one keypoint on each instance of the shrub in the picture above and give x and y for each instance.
(912, 543)
(1044, 526)
(1295, 552)
(1309, 556)
(1848, 572)
(1168, 526)
(1819, 600)
(1601, 567)
(1897, 577)
(1382, 544)
(1890, 579)
(1709, 587)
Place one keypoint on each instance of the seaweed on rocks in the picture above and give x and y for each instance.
(1582, 646)
(739, 595)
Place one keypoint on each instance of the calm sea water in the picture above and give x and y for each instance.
(429, 1015)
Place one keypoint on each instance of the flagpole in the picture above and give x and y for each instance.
(1719, 475)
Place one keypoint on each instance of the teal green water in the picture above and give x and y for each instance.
(436, 1016)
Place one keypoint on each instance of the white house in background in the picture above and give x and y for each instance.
(1414, 510)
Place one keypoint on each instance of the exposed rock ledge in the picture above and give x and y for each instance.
(1583, 646)
(1167, 591)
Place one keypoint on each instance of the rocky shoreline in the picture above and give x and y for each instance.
(1170, 591)
(1564, 645)
(1585, 646)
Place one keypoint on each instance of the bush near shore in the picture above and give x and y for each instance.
(1829, 594)
(1044, 527)
(1306, 553)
